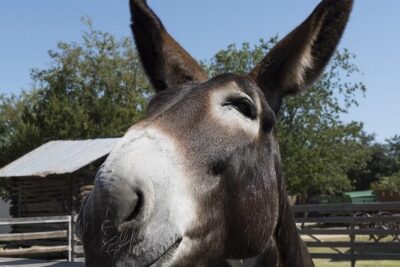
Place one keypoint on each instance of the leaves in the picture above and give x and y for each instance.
(389, 183)
(89, 90)
(384, 162)
(98, 89)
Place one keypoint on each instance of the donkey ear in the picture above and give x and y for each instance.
(166, 63)
(298, 60)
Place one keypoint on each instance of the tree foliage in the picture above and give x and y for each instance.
(89, 90)
(393, 146)
(384, 162)
(388, 183)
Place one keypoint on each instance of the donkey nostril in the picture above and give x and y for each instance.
(137, 207)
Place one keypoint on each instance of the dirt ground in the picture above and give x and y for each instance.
(14, 262)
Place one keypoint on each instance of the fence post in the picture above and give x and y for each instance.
(70, 235)
(73, 236)
(352, 239)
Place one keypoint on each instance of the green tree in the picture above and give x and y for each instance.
(89, 90)
(14, 133)
(98, 89)
(384, 162)
(317, 147)
(389, 183)
(393, 145)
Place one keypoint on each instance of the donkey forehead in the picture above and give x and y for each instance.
(238, 83)
(210, 92)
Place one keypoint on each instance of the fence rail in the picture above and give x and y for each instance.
(33, 236)
(378, 221)
(67, 234)
(328, 224)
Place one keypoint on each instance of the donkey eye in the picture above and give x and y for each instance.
(243, 105)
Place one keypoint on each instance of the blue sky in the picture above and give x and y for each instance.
(28, 29)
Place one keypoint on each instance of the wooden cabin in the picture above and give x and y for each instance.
(53, 179)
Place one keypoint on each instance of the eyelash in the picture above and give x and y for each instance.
(243, 105)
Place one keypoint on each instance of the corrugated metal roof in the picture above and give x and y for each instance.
(59, 157)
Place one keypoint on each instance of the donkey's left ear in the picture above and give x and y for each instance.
(298, 60)
(166, 63)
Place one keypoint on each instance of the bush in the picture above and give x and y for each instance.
(389, 183)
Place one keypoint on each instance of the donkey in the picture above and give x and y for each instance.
(198, 181)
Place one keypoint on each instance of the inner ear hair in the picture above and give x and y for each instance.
(298, 60)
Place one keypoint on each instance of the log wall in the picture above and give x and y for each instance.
(36, 196)
(55, 195)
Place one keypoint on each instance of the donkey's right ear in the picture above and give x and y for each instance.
(297, 61)
(166, 63)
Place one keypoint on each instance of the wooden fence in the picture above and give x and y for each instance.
(67, 235)
(351, 231)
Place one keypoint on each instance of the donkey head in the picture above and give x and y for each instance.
(198, 180)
